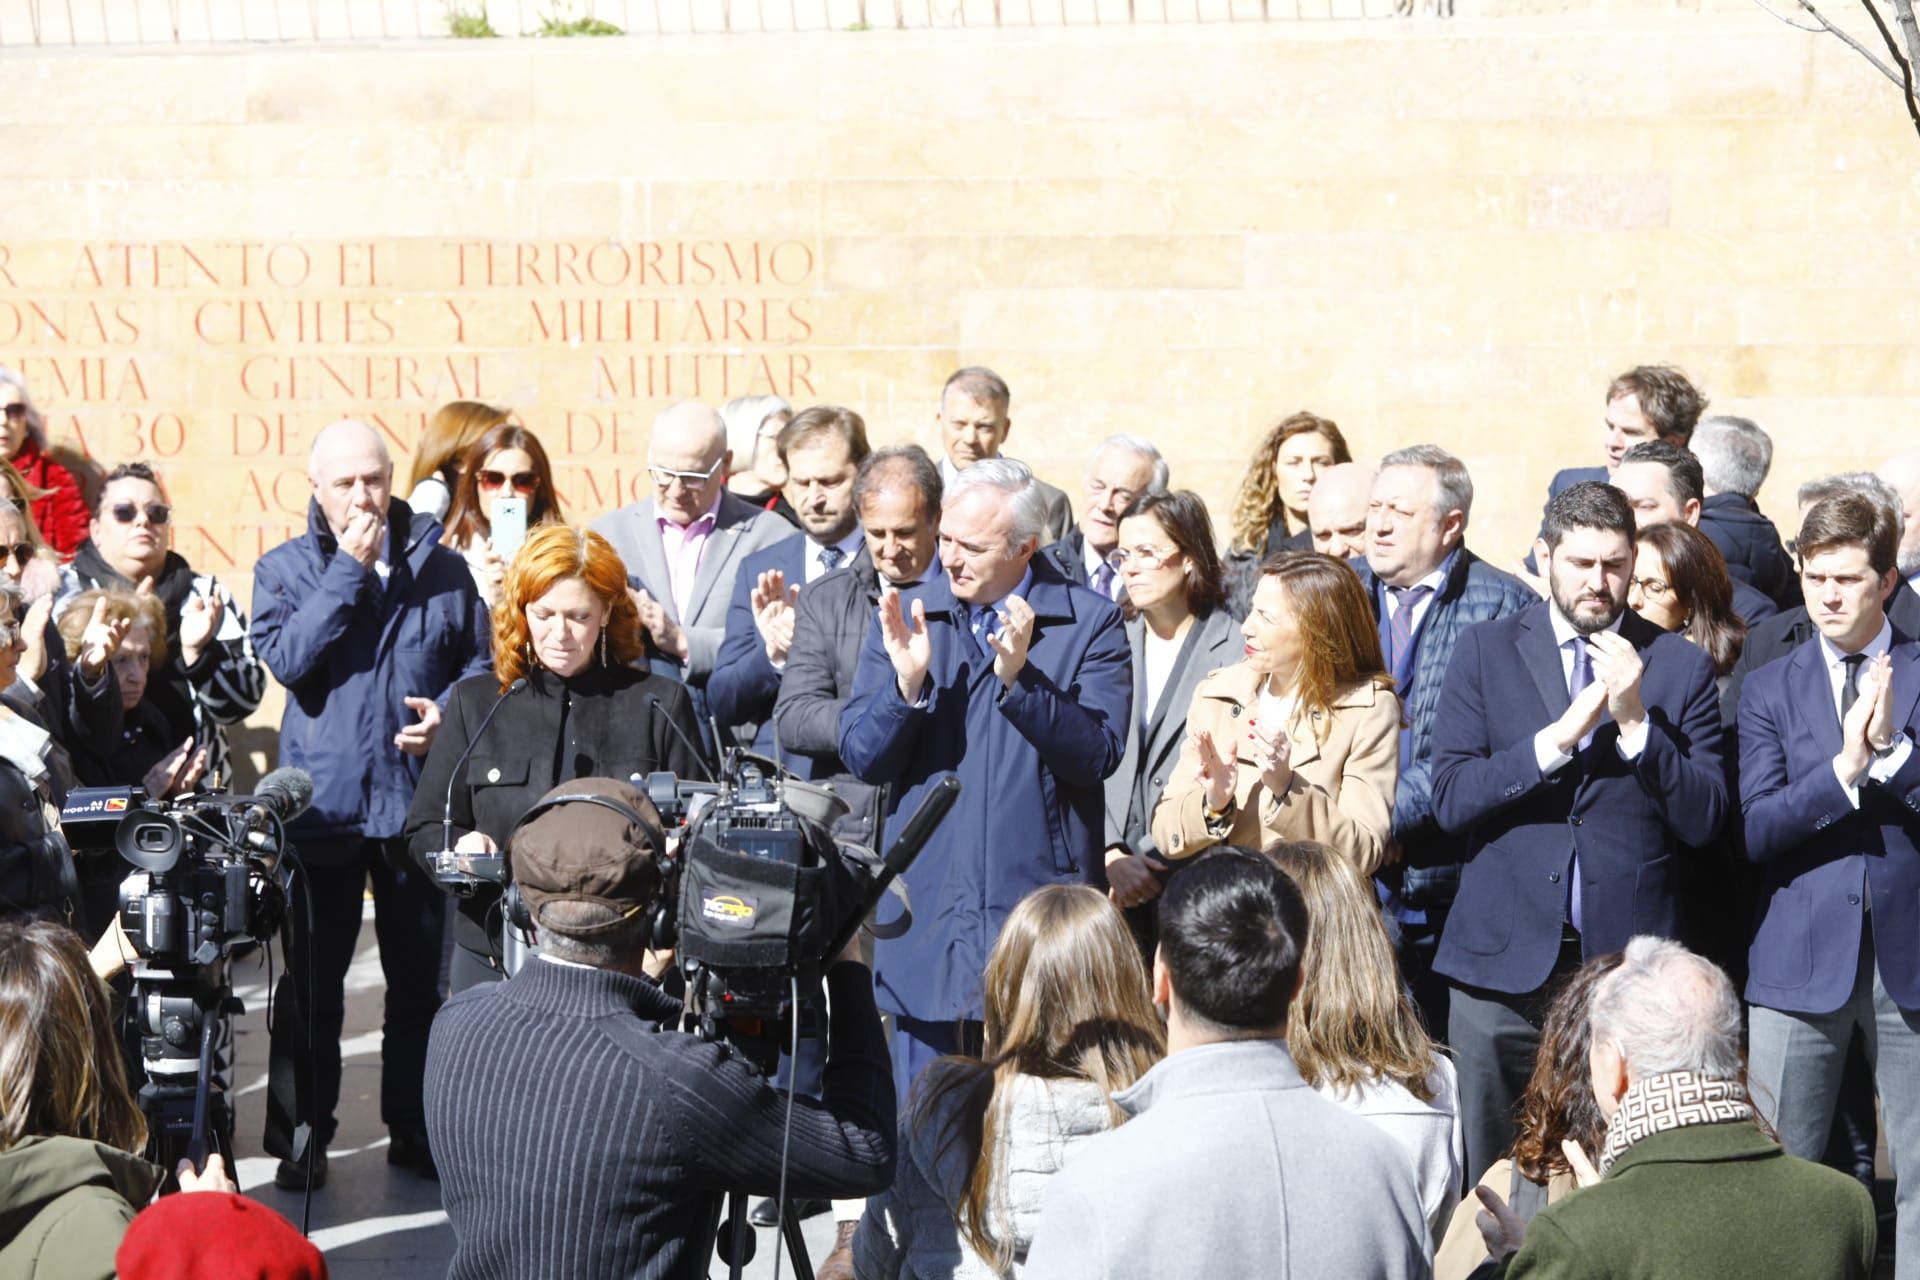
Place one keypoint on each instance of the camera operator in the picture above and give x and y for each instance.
(580, 1134)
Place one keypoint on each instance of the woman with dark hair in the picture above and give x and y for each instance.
(1270, 513)
(1300, 739)
(1069, 1021)
(508, 461)
(1179, 629)
(1680, 583)
(70, 1182)
(435, 473)
(1558, 1109)
(566, 624)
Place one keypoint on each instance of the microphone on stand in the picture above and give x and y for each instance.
(445, 862)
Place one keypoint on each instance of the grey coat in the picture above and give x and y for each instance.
(1231, 1166)
(1146, 768)
(739, 530)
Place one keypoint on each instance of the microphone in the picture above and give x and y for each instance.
(446, 810)
(653, 700)
(286, 793)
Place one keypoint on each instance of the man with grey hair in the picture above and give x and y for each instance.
(973, 423)
(1687, 1184)
(1426, 587)
(1005, 673)
(1735, 455)
(1123, 468)
(1902, 474)
(369, 623)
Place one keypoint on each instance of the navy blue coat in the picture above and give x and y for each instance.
(1823, 860)
(1751, 546)
(1031, 760)
(1629, 819)
(742, 689)
(349, 651)
(1474, 592)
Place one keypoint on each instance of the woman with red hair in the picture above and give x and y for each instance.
(565, 625)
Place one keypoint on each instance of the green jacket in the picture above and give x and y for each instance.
(1707, 1202)
(64, 1204)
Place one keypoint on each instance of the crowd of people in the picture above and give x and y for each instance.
(1321, 899)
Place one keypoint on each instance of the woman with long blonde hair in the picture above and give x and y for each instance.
(1354, 1031)
(1069, 1020)
(565, 637)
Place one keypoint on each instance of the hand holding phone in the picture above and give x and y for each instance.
(508, 527)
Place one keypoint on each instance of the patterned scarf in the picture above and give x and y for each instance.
(1672, 1101)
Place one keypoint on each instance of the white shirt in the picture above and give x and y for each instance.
(1879, 769)
(849, 548)
(1159, 657)
(1545, 749)
(1433, 582)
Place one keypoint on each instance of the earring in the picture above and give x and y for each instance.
(529, 647)
(603, 646)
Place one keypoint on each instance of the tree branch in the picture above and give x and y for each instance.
(1850, 42)
(1906, 67)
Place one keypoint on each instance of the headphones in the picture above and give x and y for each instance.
(660, 930)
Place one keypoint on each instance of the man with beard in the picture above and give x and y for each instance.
(1577, 749)
(822, 450)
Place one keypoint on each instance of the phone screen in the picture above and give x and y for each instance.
(508, 521)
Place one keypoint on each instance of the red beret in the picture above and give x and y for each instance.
(215, 1235)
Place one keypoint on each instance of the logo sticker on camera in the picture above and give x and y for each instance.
(729, 909)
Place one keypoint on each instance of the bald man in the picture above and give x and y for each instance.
(1337, 510)
(369, 622)
(683, 545)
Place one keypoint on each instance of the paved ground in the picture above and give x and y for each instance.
(373, 1222)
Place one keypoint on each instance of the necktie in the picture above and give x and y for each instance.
(982, 623)
(1103, 579)
(1850, 691)
(830, 558)
(1406, 600)
(1582, 677)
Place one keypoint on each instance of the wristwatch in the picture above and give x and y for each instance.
(1218, 823)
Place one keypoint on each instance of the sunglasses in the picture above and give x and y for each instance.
(16, 412)
(523, 481)
(22, 553)
(158, 513)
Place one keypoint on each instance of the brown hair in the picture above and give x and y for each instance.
(467, 518)
(1697, 574)
(1259, 506)
(122, 606)
(825, 420)
(1182, 516)
(1352, 1023)
(1339, 643)
(1066, 999)
(60, 1068)
(1849, 520)
(450, 430)
(1558, 1102)
(1671, 404)
(552, 553)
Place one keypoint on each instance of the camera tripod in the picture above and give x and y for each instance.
(738, 1241)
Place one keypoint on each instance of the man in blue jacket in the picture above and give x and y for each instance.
(1576, 748)
(1830, 790)
(369, 622)
(1005, 673)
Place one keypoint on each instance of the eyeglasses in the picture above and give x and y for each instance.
(158, 513)
(9, 632)
(663, 477)
(523, 481)
(17, 412)
(22, 553)
(1144, 557)
(1651, 588)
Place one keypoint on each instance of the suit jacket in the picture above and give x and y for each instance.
(1059, 513)
(1750, 604)
(1708, 1202)
(1824, 861)
(739, 530)
(1751, 546)
(1031, 759)
(1628, 819)
(1341, 792)
(1784, 632)
(1562, 481)
(1154, 734)
(743, 686)
(1069, 556)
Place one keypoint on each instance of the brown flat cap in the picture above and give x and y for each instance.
(602, 846)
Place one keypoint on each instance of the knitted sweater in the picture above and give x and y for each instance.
(577, 1135)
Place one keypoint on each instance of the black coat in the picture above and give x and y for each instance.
(602, 723)
(1751, 545)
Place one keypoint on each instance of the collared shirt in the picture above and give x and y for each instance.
(684, 544)
(1433, 582)
(1881, 768)
(848, 546)
(983, 617)
(1545, 750)
(564, 964)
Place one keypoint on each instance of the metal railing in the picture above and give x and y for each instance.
(133, 23)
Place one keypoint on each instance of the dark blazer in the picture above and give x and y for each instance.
(1784, 632)
(1032, 759)
(1823, 860)
(1146, 765)
(741, 690)
(614, 723)
(1708, 1202)
(1069, 556)
(1562, 481)
(1750, 604)
(1474, 591)
(1751, 546)
(1628, 819)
